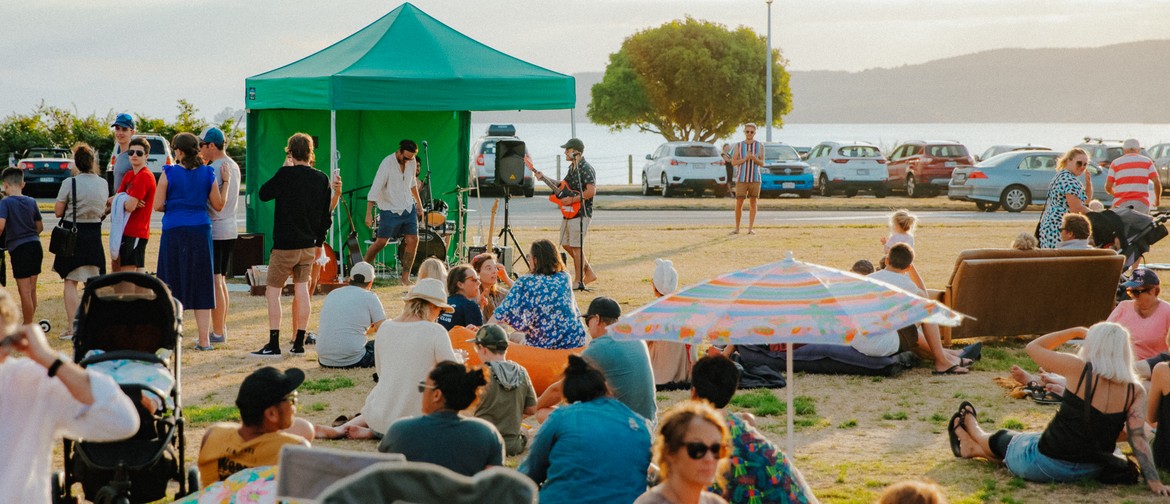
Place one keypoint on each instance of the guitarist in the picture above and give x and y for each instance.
(582, 182)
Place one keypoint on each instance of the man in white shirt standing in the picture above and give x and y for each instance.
(1129, 178)
(395, 192)
(224, 228)
(44, 397)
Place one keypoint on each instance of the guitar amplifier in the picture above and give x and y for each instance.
(503, 255)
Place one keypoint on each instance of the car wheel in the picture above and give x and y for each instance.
(529, 191)
(721, 192)
(666, 190)
(646, 190)
(986, 206)
(849, 193)
(805, 194)
(825, 190)
(1015, 198)
(880, 192)
(912, 189)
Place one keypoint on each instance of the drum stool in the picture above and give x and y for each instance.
(382, 268)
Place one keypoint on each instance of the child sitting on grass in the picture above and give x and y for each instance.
(20, 222)
(509, 395)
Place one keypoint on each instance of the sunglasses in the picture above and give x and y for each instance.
(422, 386)
(291, 398)
(697, 451)
(1138, 292)
(749, 132)
(1081, 163)
(136, 152)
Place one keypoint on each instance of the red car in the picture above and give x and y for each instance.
(923, 168)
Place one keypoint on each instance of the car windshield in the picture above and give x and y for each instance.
(488, 148)
(156, 147)
(859, 151)
(696, 151)
(773, 153)
(950, 151)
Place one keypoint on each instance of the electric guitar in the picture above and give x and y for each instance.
(561, 191)
(492, 226)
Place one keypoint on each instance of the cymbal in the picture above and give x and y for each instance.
(459, 190)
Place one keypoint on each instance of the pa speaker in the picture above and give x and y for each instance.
(510, 162)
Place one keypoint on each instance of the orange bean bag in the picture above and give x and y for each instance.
(544, 366)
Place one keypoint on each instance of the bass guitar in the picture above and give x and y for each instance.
(561, 191)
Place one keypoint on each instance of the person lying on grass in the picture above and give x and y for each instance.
(1080, 441)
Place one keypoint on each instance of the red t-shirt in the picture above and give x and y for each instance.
(139, 185)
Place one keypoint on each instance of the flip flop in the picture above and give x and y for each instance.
(973, 351)
(949, 371)
(953, 435)
(1045, 397)
(967, 408)
(340, 420)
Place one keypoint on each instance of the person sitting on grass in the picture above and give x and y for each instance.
(758, 468)
(541, 305)
(1075, 230)
(670, 360)
(509, 395)
(1080, 441)
(690, 431)
(433, 267)
(898, 263)
(463, 290)
(268, 407)
(347, 316)
(594, 449)
(913, 492)
(442, 437)
(1024, 241)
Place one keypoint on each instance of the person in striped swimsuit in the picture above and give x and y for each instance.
(1128, 179)
(747, 158)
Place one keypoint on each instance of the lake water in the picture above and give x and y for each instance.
(609, 152)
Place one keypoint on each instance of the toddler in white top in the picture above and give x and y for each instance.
(902, 224)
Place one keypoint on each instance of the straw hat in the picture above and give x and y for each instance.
(432, 291)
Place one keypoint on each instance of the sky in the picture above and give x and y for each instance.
(115, 55)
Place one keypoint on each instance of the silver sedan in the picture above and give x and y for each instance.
(1014, 180)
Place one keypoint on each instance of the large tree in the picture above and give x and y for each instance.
(689, 80)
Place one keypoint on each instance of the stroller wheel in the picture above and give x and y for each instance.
(45, 325)
(57, 483)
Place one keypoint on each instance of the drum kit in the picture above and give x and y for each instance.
(432, 236)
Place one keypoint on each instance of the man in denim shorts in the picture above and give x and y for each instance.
(395, 193)
(300, 220)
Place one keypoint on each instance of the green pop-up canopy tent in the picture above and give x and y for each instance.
(405, 76)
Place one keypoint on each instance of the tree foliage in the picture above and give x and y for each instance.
(689, 80)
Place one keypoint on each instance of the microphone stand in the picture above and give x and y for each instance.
(580, 229)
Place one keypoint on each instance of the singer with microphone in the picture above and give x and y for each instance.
(395, 193)
(581, 182)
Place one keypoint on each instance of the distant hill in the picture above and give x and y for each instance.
(1118, 83)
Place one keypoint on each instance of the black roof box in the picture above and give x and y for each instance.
(501, 130)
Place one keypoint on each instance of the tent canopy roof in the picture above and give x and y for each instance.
(408, 60)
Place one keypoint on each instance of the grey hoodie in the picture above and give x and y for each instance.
(506, 373)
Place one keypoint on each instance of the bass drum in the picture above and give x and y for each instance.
(437, 215)
(429, 245)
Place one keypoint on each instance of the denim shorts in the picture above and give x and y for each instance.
(392, 225)
(1025, 460)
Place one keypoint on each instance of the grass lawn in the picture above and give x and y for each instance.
(854, 435)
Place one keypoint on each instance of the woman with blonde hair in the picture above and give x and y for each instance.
(691, 446)
(1080, 441)
(433, 267)
(1071, 189)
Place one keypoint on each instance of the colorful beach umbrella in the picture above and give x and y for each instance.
(788, 301)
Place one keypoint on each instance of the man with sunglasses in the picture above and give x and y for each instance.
(268, 405)
(1075, 230)
(128, 235)
(123, 131)
(747, 159)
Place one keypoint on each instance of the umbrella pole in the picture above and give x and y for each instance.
(788, 387)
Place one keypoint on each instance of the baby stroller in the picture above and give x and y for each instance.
(129, 327)
(1128, 232)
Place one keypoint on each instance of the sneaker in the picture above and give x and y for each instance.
(297, 350)
(310, 338)
(203, 348)
(267, 351)
(218, 338)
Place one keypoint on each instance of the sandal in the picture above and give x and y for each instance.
(950, 371)
(952, 433)
(1044, 397)
(340, 420)
(967, 408)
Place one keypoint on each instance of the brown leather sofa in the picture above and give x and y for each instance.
(1020, 292)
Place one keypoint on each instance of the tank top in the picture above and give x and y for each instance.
(187, 192)
(1079, 432)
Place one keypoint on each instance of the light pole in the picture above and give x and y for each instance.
(768, 61)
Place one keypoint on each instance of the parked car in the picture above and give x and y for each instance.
(483, 162)
(159, 156)
(849, 167)
(923, 168)
(44, 169)
(803, 150)
(1103, 152)
(1014, 180)
(996, 150)
(1160, 153)
(784, 172)
(680, 166)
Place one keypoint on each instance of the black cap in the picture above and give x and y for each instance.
(605, 307)
(267, 386)
(575, 144)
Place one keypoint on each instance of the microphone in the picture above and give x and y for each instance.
(424, 143)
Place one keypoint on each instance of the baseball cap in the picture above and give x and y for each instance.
(491, 337)
(1131, 144)
(362, 271)
(605, 307)
(665, 277)
(575, 144)
(124, 120)
(267, 386)
(1142, 277)
(432, 291)
(212, 135)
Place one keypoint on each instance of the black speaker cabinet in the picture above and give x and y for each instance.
(510, 162)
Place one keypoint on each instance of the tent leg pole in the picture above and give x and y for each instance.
(573, 123)
(788, 388)
(334, 232)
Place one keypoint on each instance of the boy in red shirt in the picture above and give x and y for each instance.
(139, 185)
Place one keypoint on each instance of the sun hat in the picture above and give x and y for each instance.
(1142, 277)
(268, 386)
(212, 135)
(432, 291)
(124, 120)
(362, 271)
(665, 277)
(1131, 144)
(575, 144)
(605, 307)
(491, 337)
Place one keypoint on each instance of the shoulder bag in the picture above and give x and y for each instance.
(63, 240)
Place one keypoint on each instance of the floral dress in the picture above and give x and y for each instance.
(757, 471)
(544, 309)
(1063, 183)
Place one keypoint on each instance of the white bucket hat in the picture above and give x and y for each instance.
(432, 291)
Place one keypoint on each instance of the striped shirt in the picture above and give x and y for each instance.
(749, 171)
(1130, 175)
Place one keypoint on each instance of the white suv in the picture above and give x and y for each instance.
(848, 167)
(160, 154)
(483, 162)
(677, 166)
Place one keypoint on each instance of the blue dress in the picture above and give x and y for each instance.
(184, 255)
(544, 309)
(1063, 183)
